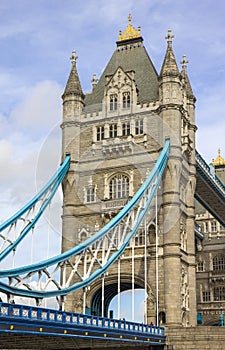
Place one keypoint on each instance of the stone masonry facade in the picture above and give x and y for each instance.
(114, 136)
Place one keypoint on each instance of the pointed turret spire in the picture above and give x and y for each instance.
(94, 81)
(184, 75)
(73, 85)
(184, 63)
(169, 66)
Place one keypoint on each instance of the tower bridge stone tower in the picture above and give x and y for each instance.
(114, 136)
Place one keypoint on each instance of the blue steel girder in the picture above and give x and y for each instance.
(16, 228)
(84, 263)
(210, 192)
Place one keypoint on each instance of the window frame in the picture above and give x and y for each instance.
(219, 263)
(139, 127)
(113, 102)
(113, 130)
(100, 132)
(126, 99)
(119, 186)
(126, 128)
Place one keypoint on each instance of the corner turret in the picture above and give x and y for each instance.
(73, 103)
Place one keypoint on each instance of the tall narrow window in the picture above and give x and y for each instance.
(126, 100)
(119, 187)
(126, 129)
(83, 235)
(113, 130)
(139, 127)
(213, 226)
(140, 238)
(100, 133)
(113, 102)
(90, 196)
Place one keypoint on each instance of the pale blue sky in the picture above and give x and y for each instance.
(36, 41)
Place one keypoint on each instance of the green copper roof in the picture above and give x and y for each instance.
(133, 57)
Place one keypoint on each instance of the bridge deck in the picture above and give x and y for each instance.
(30, 327)
(210, 191)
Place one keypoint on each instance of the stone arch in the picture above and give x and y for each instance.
(151, 233)
(83, 235)
(184, 319)
(162, 317)
(94, 294)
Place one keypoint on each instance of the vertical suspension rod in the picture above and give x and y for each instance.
(145, 264)
(118, 289)
(84, 299)
(133, 280)
(103, 294)
(118, 275)
(156, 260)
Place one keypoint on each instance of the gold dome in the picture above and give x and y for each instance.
(219, 160)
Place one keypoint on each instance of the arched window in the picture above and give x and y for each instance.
(219, 263)
(151, 231)
(162, 317)
(83, 235)
(113, 102)
(119, 187)
(126, 100)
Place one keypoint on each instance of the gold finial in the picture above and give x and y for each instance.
(73, 57)
(219, 160)
(130, 32)
(169, 36)
(129, 18)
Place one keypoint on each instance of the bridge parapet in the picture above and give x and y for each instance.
(204, 166)
(24, 318)
(209, 191)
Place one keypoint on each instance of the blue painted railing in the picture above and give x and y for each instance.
(206, 168)
(42, 314)
(24, 318)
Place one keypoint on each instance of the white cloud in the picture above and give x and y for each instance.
(40, 109)
(36, 42)
(22, 142)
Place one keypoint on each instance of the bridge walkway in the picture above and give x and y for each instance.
(23, 326)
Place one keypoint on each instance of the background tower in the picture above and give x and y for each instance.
(114, 136)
